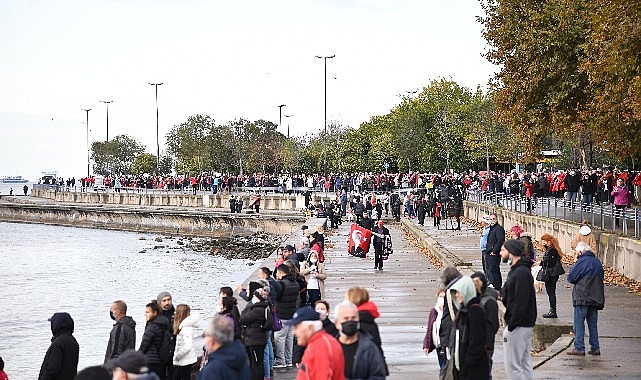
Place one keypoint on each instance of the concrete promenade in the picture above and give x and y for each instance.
(405, 291)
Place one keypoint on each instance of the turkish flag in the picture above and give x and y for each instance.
(359, 239)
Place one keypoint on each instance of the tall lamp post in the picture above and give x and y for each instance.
(324, 143)
(107, 103)
(87, 111)
(280, 115)
(157, 139)
(288, 116)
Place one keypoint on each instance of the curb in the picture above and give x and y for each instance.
(560, 344)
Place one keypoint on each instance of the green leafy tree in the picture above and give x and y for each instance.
(144, 164)
(187, 142)
(116, 156)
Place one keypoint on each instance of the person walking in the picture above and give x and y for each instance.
(380, 234)
(61, 360)
(551, 259)
(184, 354)
(588, 297)
(123, 333)
(520, 312)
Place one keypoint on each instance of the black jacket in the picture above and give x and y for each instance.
(518, 296)
(550, 258)
(121, 338)
(61, 359)
(368, 361)
(367, 223)
(287, 297)
(152, 338)
(253, 320)
(368, 324)
(572, 182)
(495, 240)
(472, 328)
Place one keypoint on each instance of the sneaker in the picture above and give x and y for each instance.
(591, 352)
(550, 314)
(280, 366)
(576, 352)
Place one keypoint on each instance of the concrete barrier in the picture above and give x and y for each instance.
(173, 222)
(620, 253)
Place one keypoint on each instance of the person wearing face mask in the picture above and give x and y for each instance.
(432, 340)
(363, 359)
(314, 272)
(489, 297)
(492, 252)
(470, 332)
(520, 311)
(123, 333)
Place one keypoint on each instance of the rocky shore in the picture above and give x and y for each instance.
(256, 246)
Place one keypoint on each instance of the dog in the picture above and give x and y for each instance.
(538, 285)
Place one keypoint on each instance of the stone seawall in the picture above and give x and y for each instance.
(620, 253)
(159, 198)
(173, 222)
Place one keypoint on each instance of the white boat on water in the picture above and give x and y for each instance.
(13, 179)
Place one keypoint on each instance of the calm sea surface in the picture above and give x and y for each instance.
(46, 269)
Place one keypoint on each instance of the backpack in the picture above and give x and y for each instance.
(167, 347)
(269, 320)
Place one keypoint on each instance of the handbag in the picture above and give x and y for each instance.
(543, 275)
(277, 324)
(557, 269)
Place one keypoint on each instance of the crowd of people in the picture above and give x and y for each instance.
(465, 320)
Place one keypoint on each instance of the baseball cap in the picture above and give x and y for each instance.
(130, 361)
(303, 314)
(289, 247)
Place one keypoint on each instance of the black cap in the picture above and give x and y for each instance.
(305, 313)
(515, 247)
(130, 361)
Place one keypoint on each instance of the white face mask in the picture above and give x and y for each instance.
(313, 260)
(322, 313)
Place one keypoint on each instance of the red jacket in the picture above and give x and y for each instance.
(323, 359)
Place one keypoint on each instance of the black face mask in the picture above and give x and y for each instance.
(349, 328)
(111, 314)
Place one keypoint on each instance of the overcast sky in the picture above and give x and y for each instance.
(225, 59)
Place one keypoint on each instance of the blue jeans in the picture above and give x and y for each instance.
(589, 314)
(268, 357)
(493, 270)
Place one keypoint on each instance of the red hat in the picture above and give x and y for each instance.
(380, 222)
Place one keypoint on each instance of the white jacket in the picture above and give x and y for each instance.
(185, 354)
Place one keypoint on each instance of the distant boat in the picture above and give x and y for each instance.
(14, 179)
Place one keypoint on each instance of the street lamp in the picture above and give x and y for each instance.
(324, 143)
(280, 114)
(157, 139)
(87, 111)
(288, 116)
(107, 103)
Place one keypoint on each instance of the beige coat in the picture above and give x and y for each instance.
(589, 239)
(320, 276)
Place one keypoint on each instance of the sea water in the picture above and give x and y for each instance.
(47, 269)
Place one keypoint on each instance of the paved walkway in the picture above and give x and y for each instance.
(405, 292)
(619, 323)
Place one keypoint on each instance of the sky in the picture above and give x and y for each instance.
(225, 59)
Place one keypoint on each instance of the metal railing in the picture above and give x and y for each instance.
(606, 216)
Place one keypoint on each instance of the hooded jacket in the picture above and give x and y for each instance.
(121, 338)
(229, 362)
(286, 298)
(152, 338)
(587, 277)
(367, 312)
(253, 320)
(61, 359)
(518, 295)
(185, 354)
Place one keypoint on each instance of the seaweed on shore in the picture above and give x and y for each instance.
(253, 247)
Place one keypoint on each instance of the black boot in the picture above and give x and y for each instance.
(550, 314)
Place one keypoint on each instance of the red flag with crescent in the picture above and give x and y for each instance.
(359, 239)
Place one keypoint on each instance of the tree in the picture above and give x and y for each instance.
(115, 156)
(144, 164)
(187, 142)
